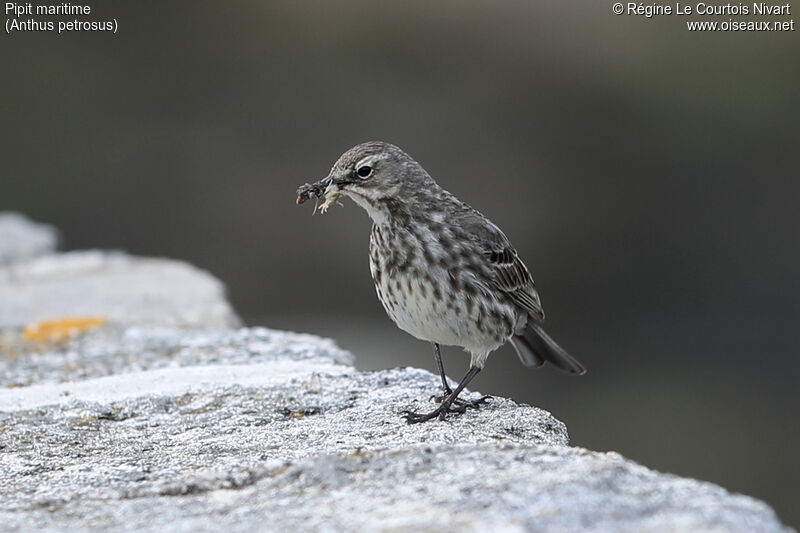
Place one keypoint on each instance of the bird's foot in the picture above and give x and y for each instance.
(457, 407)
(460, 406)
(470, 404)
(416, 418)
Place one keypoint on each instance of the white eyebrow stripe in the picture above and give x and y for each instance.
(370, 160)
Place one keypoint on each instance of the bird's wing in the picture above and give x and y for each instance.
(512, 277)
(508, 273)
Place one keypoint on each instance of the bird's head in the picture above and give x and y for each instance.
(374, 173)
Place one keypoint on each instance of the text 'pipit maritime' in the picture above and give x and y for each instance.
(443, 272)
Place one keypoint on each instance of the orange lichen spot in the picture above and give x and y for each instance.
(61, 329)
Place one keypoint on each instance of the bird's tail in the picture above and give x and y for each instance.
(534, 347)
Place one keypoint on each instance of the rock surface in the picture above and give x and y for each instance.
(119, 351)
(254, 429)
(21, 239)
(124, 289)
(168, 419)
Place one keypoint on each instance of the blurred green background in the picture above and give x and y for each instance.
(647, 175)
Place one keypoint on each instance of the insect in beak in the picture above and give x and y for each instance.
(318, 190)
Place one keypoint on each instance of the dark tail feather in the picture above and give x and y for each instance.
(525, 352)
(534, 347)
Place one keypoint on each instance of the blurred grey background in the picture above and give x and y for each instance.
(646, 174)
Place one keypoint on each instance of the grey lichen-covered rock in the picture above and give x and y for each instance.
(207, 412)
(468, 488)
(22, 239)
(126, 290)
(257, 430)
(116, 351)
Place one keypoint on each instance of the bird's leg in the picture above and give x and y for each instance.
(437, 356)
(447, 404)
(454, 404)
(459, 405)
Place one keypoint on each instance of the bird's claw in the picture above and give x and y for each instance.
(457, 407)
(416, 418)
(471, 404)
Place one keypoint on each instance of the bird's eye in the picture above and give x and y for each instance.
(364, 171)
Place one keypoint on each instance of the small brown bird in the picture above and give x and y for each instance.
(443, 272)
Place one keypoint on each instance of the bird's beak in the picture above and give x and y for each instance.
(330, 186)
(341, 182)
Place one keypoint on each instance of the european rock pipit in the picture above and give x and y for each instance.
(443, 272)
